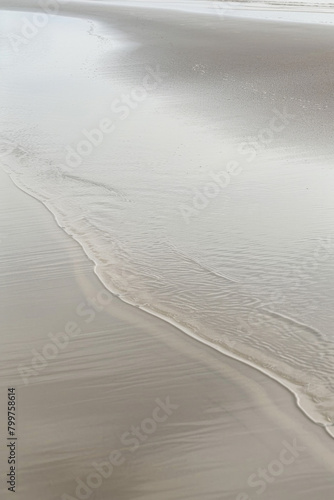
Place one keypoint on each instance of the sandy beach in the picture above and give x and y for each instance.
(228, 422)
(104, 249)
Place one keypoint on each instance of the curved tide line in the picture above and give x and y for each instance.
(187, 331)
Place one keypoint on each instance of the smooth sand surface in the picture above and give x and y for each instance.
(225, 84)
(232, 424)
(231, 420)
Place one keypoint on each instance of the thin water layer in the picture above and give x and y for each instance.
(198, 181)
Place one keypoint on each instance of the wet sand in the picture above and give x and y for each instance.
(228, 432)
(230, 420)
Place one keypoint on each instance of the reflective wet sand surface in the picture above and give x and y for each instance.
(113, 400)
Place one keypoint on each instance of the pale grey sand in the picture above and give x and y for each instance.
(230, 432)
(207, 199)
(230, 420)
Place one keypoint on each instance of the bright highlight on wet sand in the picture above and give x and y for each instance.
(167, 250)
